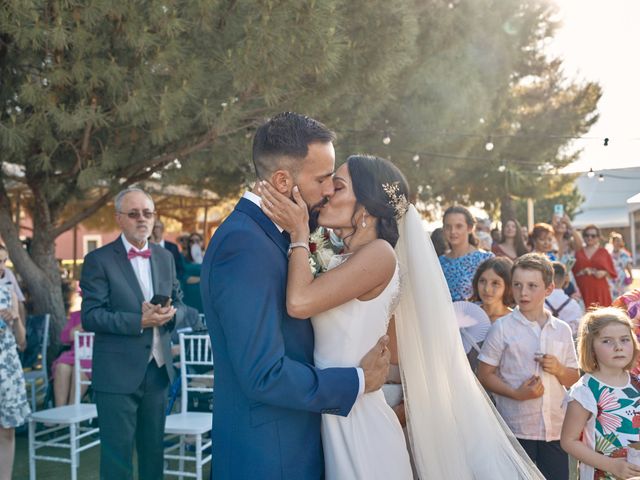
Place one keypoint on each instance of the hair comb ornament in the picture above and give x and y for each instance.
(397, 200)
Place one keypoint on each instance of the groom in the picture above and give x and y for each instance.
(268, 395)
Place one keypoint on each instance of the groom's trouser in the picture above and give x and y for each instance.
(136, 417)
(551, 460)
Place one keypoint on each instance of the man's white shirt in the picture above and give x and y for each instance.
(142, 268)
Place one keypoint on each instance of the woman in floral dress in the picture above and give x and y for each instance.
(460, 263)
(14, 407)
(623, 262)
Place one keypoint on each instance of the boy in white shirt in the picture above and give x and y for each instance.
(528, 360)
(560, 304)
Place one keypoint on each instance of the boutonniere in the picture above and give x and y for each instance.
(321, 251)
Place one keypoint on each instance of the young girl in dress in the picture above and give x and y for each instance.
(603, 415)
(492, 287)
(460, 263)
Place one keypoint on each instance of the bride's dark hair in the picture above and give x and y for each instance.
(368, 175)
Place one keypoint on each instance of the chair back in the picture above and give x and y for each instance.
(83, 350)
(37, 341)
(196, 366)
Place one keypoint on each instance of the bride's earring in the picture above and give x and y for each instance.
(364, 224)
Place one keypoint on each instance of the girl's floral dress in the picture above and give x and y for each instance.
(614, 422)
(621, 260)
(459, 272)
(14, 407)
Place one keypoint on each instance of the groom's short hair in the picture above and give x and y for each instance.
(283, 141)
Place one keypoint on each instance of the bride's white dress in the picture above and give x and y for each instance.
(369, 443)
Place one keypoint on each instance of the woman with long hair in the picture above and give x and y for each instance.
(512, 245)
(459, 264)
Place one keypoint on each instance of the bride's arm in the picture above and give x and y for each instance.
(370, 268)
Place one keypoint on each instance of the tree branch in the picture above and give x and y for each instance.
(11, 234)
(136, 174)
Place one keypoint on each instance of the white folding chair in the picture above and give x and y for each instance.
(68, 432)
(37, 381)
(195, 351)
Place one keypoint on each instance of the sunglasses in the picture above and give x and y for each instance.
(135, 214)
(590, 235)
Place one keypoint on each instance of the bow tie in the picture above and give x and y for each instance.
(138, 253)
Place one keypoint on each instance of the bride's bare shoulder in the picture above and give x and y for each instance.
(379, 251)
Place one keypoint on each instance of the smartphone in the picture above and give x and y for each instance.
(161, 300)
(558, 210)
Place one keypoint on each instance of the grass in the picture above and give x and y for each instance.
(89, 468)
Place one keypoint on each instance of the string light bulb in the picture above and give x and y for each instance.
(591, 173)
(606, 142)
(601, 178)
(386, 139)
(502, 168)
(489, 145)
(416, 158)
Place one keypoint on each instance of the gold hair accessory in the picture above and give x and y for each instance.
(397, 200)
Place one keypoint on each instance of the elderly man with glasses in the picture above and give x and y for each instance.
(130, 294)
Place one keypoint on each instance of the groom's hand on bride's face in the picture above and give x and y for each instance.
(375, 365)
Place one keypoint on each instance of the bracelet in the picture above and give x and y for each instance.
(298, 245)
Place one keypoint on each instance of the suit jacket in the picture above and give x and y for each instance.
(268, 396)
(177, 257)
(112, 308)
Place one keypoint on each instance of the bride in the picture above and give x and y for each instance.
(453, 429)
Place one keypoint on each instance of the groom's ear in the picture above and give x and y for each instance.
(282, 181)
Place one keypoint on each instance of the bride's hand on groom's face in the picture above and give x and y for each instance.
(292, 215)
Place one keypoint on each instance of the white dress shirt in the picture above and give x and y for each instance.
(570, 313)
(253, 198)
(511, 345)
(142, 268)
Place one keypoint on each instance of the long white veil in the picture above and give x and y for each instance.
(454, 430)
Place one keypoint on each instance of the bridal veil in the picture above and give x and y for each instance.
(454, 430)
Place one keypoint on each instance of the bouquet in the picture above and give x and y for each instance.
(321, 251)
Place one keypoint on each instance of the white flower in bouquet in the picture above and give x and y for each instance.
(321, 252)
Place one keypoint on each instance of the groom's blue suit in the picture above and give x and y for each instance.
(268, 396)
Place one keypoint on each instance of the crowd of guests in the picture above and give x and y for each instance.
(535, 288)
(557, 357)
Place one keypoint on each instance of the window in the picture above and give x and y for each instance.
(91, 242)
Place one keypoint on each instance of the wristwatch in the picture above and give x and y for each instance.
(293, 245)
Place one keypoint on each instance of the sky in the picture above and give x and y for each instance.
(599, 41)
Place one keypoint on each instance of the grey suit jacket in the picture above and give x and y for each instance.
(112, 308)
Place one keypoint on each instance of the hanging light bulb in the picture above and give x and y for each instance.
(502, 168)
(591, 173)
(416, 158)
(489, 145)
(386, 139)
(601, 178)
(606, 142)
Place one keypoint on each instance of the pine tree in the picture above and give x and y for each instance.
(98, 95)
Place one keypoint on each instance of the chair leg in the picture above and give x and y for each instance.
(74, 454)
(32, 387)
(32, 450)
(199, 457)
(181, 461)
